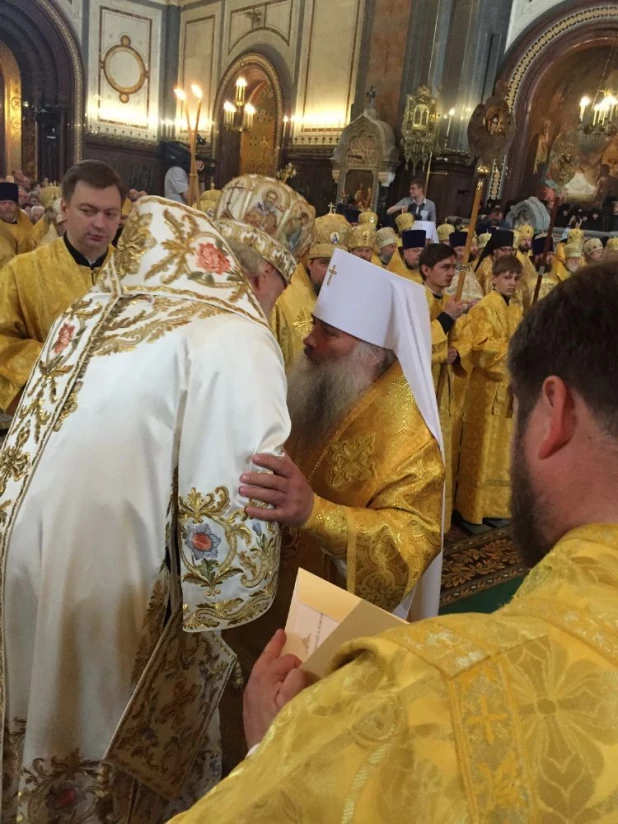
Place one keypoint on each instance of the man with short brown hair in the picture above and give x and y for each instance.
(37, 287)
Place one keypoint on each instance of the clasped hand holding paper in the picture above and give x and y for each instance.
(323, 616)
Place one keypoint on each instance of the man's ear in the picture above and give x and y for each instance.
(558, 417)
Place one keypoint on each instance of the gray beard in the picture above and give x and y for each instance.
(321, 395)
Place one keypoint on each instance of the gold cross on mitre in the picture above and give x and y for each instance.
(331, 274)
(331, 208)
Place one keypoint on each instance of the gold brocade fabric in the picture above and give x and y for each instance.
(397, 266)
(292, 318)
(549, 282)
(559, 251)
(451, 402)
(6, 251)
(507, 718)
(36, 235)
(20, 230)
(35, 289)
(378, 485)
(559, 270)
(483, 489)
(483, 273)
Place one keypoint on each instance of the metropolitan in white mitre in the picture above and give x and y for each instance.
(125, 545)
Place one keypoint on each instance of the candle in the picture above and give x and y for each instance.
(583, 104)
(448, 125)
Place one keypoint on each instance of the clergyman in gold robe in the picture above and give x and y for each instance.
(508, 717)
(292, 317)
(13, 218)
(483, 488)
(405, 260)
(365, 475)
(37, 287)
(449, 352)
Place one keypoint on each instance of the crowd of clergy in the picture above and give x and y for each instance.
(197, 402)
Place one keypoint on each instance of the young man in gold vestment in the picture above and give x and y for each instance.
(449, 349)
(509, 717)
(291, 320)
(37, 287)
(483, 489)
(504, 242)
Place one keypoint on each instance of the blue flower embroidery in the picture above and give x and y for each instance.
(257, 528)
(202, 542)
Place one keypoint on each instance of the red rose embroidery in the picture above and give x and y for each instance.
(65, 336)
(210, 259)
(202, 542)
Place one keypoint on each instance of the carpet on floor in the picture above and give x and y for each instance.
(480, 564)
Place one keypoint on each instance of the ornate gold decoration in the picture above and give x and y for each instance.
(250, 553)
(602, 12)
(419, 128)
(12, 110)
(490, 130)
(352, 460)
(285, 174)
(563, 159)
(124, 47)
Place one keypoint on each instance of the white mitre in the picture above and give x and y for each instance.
(431, 233)
(386, 310)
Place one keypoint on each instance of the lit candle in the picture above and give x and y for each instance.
(241, 85)
(249, 112)
(451, 114)
(583, 104)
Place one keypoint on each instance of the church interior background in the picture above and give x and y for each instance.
(319, 84)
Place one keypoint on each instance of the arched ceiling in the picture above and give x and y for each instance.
(42, 53)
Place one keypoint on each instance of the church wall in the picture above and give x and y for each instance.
(313, 44)
(124, 47)
(525, 12)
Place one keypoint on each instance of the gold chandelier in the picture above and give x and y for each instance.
(238, 116)
(598, 113)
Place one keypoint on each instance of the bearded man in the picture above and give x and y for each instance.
(485, 718)
(405, 261)
(35, 288)
(364, 420)
(291, 319)
(572, 261)
(362, 488)
(361, 240)
(386, 245)
(123, 540)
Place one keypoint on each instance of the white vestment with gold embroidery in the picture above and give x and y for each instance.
(125, 546)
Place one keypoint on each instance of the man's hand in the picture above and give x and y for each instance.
(286, 490)
(274, 680)
(452, 356)
(455, 308)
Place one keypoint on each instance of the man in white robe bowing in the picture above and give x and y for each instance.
(121, 526)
